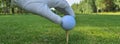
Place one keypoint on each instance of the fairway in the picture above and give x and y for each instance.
(33, 29)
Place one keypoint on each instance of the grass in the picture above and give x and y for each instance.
(32, 29)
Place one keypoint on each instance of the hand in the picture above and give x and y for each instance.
(42, 8)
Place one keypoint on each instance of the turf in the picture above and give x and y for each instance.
(33, 29)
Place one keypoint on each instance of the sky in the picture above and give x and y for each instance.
(73, 1)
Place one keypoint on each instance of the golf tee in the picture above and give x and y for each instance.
(67, 37)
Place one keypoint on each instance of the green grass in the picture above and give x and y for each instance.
(32, 29)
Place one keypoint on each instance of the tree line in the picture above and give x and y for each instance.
(95, 6)
(85, 6)
(8, 7)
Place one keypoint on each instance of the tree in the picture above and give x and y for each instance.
(85, 6)
(110, 5)
(12, 6)
(117, 3)
(100, 5)
(93, 5)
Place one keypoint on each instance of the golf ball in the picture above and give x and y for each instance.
(68, 22)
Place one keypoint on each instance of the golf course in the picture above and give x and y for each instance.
(33, 29)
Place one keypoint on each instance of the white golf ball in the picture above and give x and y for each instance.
(68, 22)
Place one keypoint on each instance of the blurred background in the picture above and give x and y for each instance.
(97, 6)
(79, 6)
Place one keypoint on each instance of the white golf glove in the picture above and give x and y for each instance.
(42, 8)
